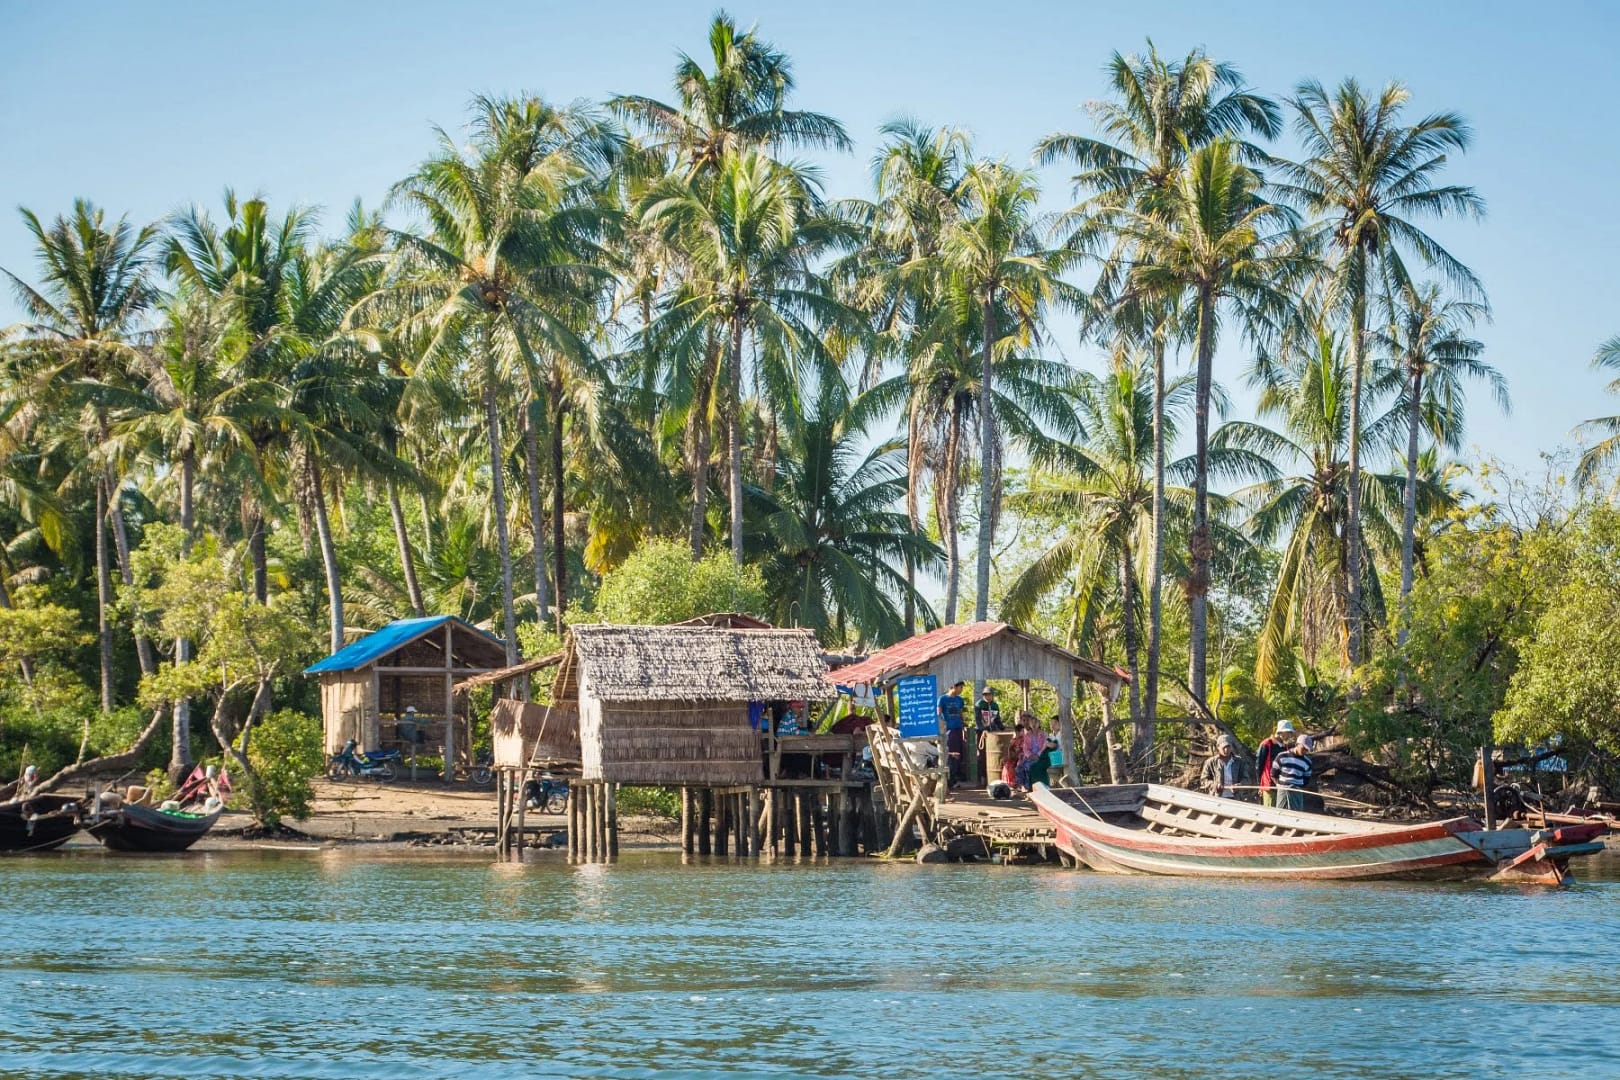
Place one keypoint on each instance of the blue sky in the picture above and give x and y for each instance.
(145, 108)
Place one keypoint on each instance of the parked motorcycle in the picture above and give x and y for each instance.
(546, 793)
(482, 774)
(357, 764)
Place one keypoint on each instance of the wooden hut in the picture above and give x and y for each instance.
(670, 704)
(396, 686)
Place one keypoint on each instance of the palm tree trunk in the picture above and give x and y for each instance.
(1156, 557)
(115, 512)
(981, 602)
(103, 597)
(24, 662)
(537, 517)
(949, 505)
(1198, 587)
(1352, 584)
(323, 530)
(913, 476)
(1414, 417)
(1141, 731)
(497, 485)
(180, 751)
(407, 560)
(258, 555)
(698, 440)
(733, 391)
(558, 552)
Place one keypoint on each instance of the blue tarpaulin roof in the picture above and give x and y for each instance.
(382, 642)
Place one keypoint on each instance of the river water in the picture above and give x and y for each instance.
(343, 964)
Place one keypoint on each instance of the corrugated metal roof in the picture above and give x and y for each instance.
(918, 651)
(380, 643)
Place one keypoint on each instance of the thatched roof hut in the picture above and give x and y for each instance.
(670, 704)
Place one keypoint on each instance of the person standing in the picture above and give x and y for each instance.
(1266, 756)
(951, 709)
(1228, 773)
(986, 717)
(1291, 772)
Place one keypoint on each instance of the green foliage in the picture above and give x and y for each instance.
(651, 801)
(1568, 678)
(1424, 710)
(659, 583)
(286, 752)
(33, 629)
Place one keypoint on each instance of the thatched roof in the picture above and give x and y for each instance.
(693, 663)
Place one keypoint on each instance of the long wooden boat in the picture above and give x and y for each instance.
(38, 823)
(131, 827)
(1153, 829)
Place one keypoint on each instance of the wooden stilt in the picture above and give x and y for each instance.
(722, 825)
(807, 825)
(613, 821)
(705, 807)
(756, 823)
(573, 822)
(687, 844)
(846, 822)
(902, 830)
(790, 821)
(516, 782)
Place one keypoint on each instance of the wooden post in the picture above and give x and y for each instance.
(902, 830)
(573, 822)
(1071, 764)
(613, 821)
(449, 710)
(687, 846)
(807, 825)
(1487, 757)
(790, 821)
(846, 821)
(722, 825)
(521, 779)
(705, 807)
(755, 824)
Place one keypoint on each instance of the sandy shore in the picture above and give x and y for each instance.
(423, 814)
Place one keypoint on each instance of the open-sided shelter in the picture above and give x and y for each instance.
(671, 704)
(975, 652)
(368, 685)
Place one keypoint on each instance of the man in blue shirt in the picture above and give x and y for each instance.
(951, 709)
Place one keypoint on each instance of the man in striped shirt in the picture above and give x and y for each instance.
(1291, 772)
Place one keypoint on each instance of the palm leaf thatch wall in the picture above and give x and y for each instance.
(669, 704)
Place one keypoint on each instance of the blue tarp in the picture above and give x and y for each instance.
(384, 641)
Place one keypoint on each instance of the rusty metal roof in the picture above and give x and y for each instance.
(918, 651)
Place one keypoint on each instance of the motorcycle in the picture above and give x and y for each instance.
(547, 794)
(482, 774)
(355, 763)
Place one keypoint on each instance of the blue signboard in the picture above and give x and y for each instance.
(919, 705)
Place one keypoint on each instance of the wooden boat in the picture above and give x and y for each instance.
(38, 823)
(1152, 829)
(132, 827)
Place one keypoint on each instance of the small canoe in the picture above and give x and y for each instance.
(38, 823)
(1153, 829)
(143, 828)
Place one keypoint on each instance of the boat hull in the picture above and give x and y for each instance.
(141, 828)
(39, 823)
(1324, 848)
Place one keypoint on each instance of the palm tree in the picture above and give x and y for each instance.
(1607, 449)
(248, 265)
(1367, 174)
(895, 277)
(94, 288)
(752, 236)
(1161, 111)
(1427, 340)
(1215, 238)
(993, 254)
(1310, 395)
(739, 106)
(191, 408)
(505, 254)
(1104, 486)
(835, 543)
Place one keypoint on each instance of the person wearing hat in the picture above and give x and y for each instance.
(1266, 755)
(1228, 772)
(986, 717)
(1291, 772)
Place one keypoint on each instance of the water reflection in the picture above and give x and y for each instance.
(337, 963)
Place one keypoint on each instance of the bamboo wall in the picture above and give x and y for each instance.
(347, 710)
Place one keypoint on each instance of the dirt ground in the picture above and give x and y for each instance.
(428, 813)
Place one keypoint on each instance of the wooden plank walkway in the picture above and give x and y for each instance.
(1004, 822)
